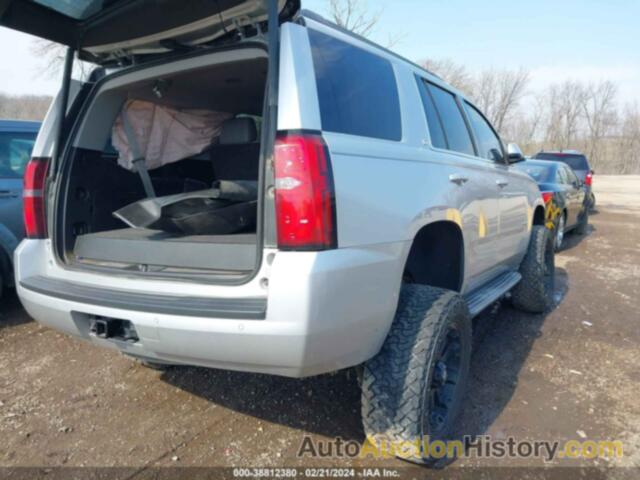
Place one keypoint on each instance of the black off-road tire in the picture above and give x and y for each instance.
(534, 292)
(397, 383)
(583, 222)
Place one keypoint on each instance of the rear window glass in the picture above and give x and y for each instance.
(539, 173)
(453, 122)
(577, 162)
(15, 152)
(78, 9)
(357, 90)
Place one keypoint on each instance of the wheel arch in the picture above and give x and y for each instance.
(539, 215)
(437, 256)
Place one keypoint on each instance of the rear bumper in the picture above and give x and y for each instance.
(320, 312)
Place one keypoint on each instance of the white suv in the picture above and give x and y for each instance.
(387, 212)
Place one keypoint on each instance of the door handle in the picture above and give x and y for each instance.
(502, 183)
(458, 179)
(8, 194)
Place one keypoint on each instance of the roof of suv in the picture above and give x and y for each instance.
(573, 158)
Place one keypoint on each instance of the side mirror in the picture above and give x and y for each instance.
(514, 154)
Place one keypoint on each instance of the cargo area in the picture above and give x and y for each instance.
(196, 126)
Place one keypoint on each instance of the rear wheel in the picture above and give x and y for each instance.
(583, 222)
(534, 292)
(413, 389)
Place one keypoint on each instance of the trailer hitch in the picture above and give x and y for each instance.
(113, 328)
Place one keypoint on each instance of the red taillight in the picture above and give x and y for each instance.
(588, 179)
(35, 174)
(304, 194)
(547, 196)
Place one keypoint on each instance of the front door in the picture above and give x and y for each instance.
(507, 188)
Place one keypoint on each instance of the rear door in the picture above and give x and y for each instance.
(106, 30)
(575, 195)
(471, 178)
(508, 188)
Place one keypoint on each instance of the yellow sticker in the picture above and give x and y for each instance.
(453, 215)
(482, 225)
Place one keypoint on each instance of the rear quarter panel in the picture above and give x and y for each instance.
(386, 190)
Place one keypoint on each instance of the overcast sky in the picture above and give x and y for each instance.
(555, 40)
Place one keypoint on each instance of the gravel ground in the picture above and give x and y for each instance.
(569, 374)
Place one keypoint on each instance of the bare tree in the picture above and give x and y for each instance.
(625, 158)
(354, 15)
(451, 72)
(24, 107)
(564, 114)
(600, 115)
(498, 93)
(51, 53)
(525, 126)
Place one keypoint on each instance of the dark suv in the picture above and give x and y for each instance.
(579, 164)
(16, 142)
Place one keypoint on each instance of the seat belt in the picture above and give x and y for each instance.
(139, 161)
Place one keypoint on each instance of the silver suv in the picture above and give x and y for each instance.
(387, 213)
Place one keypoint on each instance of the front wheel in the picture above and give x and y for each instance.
(413, 389)
(534, 292)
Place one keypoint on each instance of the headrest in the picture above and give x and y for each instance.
(238, 131)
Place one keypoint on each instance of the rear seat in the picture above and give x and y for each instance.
(237, 155)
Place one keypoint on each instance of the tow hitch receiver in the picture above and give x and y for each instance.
(123, 330)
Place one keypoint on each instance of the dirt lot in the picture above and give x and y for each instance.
(569, 374)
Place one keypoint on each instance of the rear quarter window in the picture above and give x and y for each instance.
(357, 90)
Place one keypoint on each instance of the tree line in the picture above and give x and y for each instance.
(566, 115)
(24, 107)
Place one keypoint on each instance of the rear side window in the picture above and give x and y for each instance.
(455, 128)
(489, 145)
(438, 138)
(357, 90)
